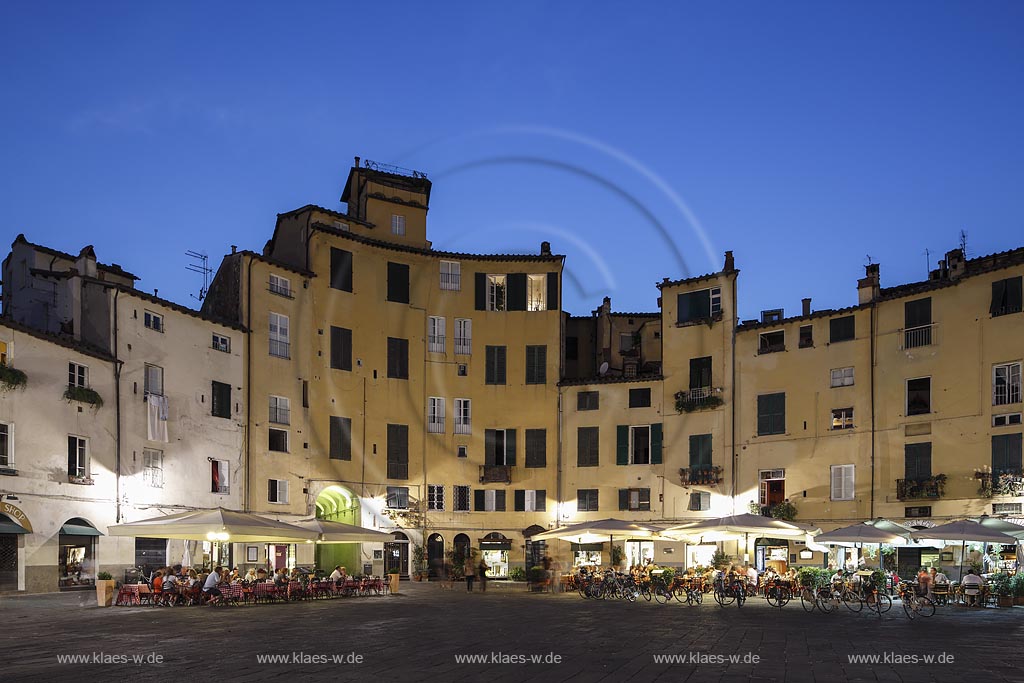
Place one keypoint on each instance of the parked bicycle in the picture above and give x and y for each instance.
(915, 605)
(730, 590)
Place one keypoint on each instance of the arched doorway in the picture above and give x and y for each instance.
(77, 559)
(10, 545)
(339, 504)
(435, 556)
(460, 549)
(396, 555)
(535, 550)
(494, 550)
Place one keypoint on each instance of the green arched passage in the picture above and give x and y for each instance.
(338, 504)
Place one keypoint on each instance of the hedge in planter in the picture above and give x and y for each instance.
(12, 378)
(83, 395)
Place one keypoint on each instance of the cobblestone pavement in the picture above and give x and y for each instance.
(417, 635)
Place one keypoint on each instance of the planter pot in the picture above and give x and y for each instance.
(393, 583)
(1005, 601)
(105, 592)
(1018, 599)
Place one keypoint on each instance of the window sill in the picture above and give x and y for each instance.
(283, 295)
(81, 481)
(274, 355)
(272, 450)
(8, 472)
(763, 352)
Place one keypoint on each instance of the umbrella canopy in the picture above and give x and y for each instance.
(734, 527)
(866, 532)
(964, 530)
(214, 525)
(337, 532)
(994, 524)
(600, 531)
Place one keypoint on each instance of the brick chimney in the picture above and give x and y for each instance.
(806, 306)
(869, 287)
(730, 263)
(956, 265)
(545, 248)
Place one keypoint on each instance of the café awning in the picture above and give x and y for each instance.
(600, 531)
(339, 532)
(79, 527)
(9, 527)
(215, 525)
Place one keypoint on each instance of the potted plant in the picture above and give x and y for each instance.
(1002, 586)
(517, 574)
(11, 378)
(617, 555)
(1017, 584)
(721, 559)
(105, 586)
(419, 563)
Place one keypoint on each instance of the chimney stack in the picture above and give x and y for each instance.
(806, 305)
(234, 248)
(357, 162)
(955, 264)
(869, 287)
(545, 248)
(730, 263)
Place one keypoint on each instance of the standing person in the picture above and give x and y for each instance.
(548, 574)
(469, 568)
(482, 572)
(556, 569)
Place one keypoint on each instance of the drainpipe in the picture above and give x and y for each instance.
(872, 383)
(248, 383)
(735, 451)
(117, 417)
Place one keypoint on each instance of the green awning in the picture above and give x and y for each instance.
(79, 530)
(590, 547)
(9, 527)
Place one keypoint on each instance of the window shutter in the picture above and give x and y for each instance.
(848, 481)
(622, 445)
(700, 372)
(479, 500)
(623, 499)
(837, 482)
(656, 443)
(510, 447)
(480, 285)
(499, 500)
(917, 461)
(552, 302)
(540, 504)
(398, 282)
(341, 269)
(272, 490)
(489, 446)
(536, 448)
(499, 359)
(998, 297)
(917, 313)
(341, 348)
(519, 503)
(341, 438)
(403, 358)
(516, 292)
(73, 456)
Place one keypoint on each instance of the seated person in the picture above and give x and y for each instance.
(261, 575)
(281, 578)
(170, 582)
(210, 587)
(250, 576)
(336, 574)
(158, 581)
(192, 579)
(751, 575)
(938, 577)
(972, 584)
(236, 576)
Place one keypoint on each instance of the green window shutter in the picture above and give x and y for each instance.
(480, 288)
(519, 503)
(499, 500)
(510, 447)
(479, 502)
(622, 445)
(516, 291)
(656, 444)
(490, 446)
(553, 303)
(623, 499)
(541, 500)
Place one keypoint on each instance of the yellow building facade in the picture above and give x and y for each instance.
(447, 398)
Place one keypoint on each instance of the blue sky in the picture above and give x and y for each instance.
(641, 140)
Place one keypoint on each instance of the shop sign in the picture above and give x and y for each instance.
(15, 513)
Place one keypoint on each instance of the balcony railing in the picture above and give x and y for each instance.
(495, 474)
(701, 398)
(435, 425)
(435, 343)
(709, 475)
(398, 470)
(451, 281)
(1000, 483)
(771, 348)
(463, 427)
(281, 349)
(931, 488)
(914, 337)
(463, 346)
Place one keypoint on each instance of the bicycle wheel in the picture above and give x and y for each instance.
(851, 600)
(909, 607)
(784, 596)
(662, 594)
(698, 596)
(925, 607)
(771, 596)
(741, 596)
(680, 593)
(723, 598)
(807, 600)
(645, 591)
(884, 603)
(584, 590)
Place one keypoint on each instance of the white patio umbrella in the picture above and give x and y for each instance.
(215, 525)
(964, 531)
(597, 532)
(338, 532)
(1005, 526)
(737, 527)
(880, 531)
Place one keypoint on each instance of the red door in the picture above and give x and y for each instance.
(280, 557)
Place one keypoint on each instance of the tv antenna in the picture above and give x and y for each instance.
(927, 261)
(963, 242)
(200, 265)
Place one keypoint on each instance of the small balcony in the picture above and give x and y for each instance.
(435, 343)
(701, 398)
(1000, 483)
(914, 337)
(931, 488)
(710, 475)
(495, 474)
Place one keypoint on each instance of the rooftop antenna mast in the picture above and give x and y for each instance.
(963, 242)
(927, 261)
(200, 265)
